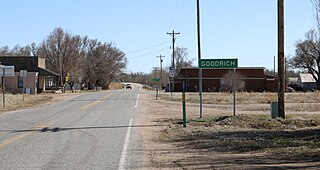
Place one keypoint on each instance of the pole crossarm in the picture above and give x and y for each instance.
(173, 34)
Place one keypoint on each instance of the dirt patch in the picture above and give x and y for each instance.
(222, 141)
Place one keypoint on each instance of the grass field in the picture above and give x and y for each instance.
(245, 98)
(18, 101)
(249, 140)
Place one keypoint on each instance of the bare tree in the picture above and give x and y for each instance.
(4, 51)
(17, 50)
(62, 51)
(227, 82)
(307, 54)
(66, 54)
(181, 55)
(103, 63)
(316, 5)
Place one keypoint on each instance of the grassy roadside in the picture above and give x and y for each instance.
(244, 98)
(18, 101)
(245, 141)
(15, 102)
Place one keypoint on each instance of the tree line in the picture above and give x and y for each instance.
(307, 54)
(74, 56)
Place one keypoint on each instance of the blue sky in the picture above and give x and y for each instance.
(243, 29)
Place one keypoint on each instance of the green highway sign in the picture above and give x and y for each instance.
(218, 63)
(157, 80)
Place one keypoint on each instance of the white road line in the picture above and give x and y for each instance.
(125, 147)
(137, 101)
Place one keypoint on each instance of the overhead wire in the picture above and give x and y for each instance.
(146, 64)
(174, 14)
(192, 13)
(153, 52)
(147, 48)
(185, 15)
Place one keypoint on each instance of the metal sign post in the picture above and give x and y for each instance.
(184, 115)
(3, 89)
(23, 74)
(234, 92)
(5, 71)
(221, 64)
(156, 80)
(171, 78)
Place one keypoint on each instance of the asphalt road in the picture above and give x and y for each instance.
(91, 131)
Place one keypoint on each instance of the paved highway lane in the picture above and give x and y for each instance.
(91, 131)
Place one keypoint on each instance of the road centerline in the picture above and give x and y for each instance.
(95, 103)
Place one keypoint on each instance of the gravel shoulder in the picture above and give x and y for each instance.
(250, 140)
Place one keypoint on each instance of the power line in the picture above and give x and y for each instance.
(146, 64)
(180, 13)
(147, 47)
(174, 14)
(147, 53)
(185, 18)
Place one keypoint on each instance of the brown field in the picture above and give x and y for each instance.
(249, 140)
(245, 98)
(15, 102)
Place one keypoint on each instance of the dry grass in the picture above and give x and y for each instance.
(256, 142)
(115, 85)
(244, 98)
(14, 102)
(252, 102)
(249, 140)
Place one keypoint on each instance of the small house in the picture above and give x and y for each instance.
(307, 82)
(37, 77)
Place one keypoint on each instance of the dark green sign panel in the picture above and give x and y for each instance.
(218, 63)
(157, 80)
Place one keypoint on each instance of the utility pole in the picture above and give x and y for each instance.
(199, 57)
(173, 34)
(281, 81)
(155, 76)
(161, 60)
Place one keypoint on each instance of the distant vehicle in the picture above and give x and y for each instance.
(128, 86)
(289, 89)
(296, 87)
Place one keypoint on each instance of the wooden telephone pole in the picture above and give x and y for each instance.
(199, 57)
(281, 81)
(161, 60)
(173, 34)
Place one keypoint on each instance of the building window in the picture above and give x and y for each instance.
(50, 82)
(20, 82)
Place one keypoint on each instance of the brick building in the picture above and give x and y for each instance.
(38, 78)
(251, 79)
